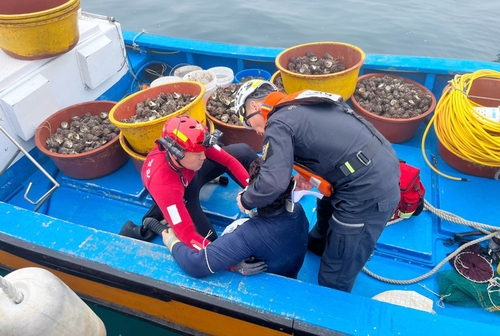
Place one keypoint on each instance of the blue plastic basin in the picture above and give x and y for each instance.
(252, 72)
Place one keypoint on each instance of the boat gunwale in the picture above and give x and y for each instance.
(238, 299)
(430, 65)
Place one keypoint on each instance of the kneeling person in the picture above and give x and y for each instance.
(276, 237)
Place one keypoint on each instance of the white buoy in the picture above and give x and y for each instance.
(33, 301)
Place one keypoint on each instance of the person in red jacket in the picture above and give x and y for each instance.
(274, 239)
(185, 158)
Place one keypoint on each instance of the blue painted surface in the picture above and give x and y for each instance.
(353, 314)
(82, 217)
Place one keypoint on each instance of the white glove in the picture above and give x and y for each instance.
(298, 194)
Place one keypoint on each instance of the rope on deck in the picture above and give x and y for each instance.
(459, 220)
(451, 218)
(11, 292)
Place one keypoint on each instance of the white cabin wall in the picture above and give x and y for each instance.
(30, 91)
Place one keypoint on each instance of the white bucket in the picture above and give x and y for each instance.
(225, 76)
(164, 80)
(205, 77)
(184, 70)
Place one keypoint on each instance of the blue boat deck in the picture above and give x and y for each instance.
(406, 250)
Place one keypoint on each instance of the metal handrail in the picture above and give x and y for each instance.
(44, 197)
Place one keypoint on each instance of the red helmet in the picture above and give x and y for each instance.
(187, 132)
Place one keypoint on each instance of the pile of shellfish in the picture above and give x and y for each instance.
(311, 64)
(220, 105)
(278, 81)
(164, 104)
(82, 134)
(392, 97)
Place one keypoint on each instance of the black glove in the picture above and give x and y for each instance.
(248, 267)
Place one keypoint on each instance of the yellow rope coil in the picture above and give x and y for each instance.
(461, 129)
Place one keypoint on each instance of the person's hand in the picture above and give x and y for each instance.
(238, 201)
(246, 267)
(302, 183)
(169, 238)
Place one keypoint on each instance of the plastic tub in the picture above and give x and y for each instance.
(253, 73)
(225, 75)
(137, 159)
(274, 76)
(485, 92)
(89, 165)
(342, 83)
(31, 29)
(466, 166)
(394, 130)
(141, 136)
(164, 80)
(233, 134)
(205, 77)
(182, 70)
(276, 80)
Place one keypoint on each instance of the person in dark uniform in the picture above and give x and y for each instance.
(275, 239)
(341, 154)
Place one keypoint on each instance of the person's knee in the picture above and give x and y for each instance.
(242, 152)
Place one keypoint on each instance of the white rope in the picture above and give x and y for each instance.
(494, 287)
(440, 302)
(135, 46)
(434, 270)
(458, 220)
(206, 251)
(11, 292)
(451, 218)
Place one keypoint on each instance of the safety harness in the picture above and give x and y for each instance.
(362, 158)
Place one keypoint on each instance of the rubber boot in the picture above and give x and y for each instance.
(131, 230)
(317, 236)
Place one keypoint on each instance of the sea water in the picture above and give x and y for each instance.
(443, 28)
(118, 324)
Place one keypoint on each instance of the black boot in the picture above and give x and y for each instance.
(131, 230)
(317, 236)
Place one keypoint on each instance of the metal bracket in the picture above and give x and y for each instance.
(42, 199)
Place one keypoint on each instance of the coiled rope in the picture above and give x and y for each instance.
(461, 129)
(495, 231)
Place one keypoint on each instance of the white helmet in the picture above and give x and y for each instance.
(250, 90)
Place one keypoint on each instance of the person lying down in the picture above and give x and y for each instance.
(274, 240)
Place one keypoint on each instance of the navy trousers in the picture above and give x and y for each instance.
(355, 227)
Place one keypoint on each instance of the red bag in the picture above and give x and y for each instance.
(412, 192)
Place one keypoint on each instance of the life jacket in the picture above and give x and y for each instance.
(276, 100)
